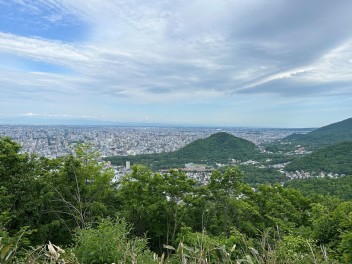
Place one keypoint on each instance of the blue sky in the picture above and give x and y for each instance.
(272, 63)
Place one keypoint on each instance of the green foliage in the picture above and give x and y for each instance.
(335, 158)
(224, 189)
(69, 200)
(340, 187)
(11, 163)
(254, 175)
(81, 186)
(21, 188)
(346, 247)
(5, 207)
(290, 246)
(194, 247)
(281, 207)
(202, 248)
(51, 197)
(332, 226)
(11, 248)
(155, 204)
(109, 243)
(277, 148)
(12, 251)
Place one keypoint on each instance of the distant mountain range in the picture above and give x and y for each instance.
(219, 147)
(324, 136)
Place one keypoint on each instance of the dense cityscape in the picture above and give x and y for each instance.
(56, 141)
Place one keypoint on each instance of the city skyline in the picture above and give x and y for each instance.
(217, 63)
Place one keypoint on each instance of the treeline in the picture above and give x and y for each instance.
(148, 217)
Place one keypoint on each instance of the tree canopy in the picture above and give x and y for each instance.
(149, 217)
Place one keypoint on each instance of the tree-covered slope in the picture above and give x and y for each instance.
(254, 175)
(336, 158)
(219, 147)
(324, 136)
(340, 187)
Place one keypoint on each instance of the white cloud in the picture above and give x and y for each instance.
(277, 76)
(42, 50)
(335, 64)
(180, 51)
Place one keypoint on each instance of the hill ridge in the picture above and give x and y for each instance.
(324, 136)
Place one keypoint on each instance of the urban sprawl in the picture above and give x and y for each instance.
(57, 141)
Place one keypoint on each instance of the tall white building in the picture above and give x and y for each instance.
(128, 165)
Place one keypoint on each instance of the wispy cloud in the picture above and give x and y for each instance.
(42, 50)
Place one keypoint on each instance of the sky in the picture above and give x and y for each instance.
(257, 63)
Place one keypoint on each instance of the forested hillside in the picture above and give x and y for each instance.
(340, 187)
(324, 136)
(336, 158)
(148, 217)
(254, 175)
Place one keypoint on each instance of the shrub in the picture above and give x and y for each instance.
(109, 243)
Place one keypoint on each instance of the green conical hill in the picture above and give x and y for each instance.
(219, 147)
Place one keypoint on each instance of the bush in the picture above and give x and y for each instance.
(109, 243)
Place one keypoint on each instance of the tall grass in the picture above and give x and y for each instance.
(110, 244)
